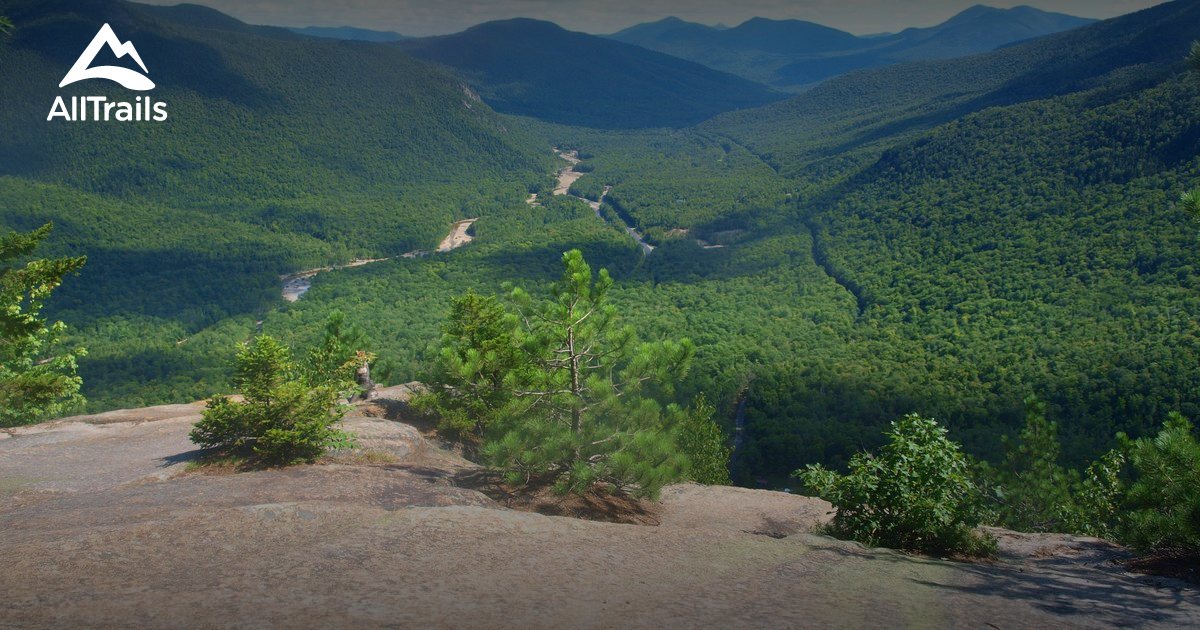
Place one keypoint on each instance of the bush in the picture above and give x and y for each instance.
(1030, 490)
(704, 444)
(1164, 501)
(282, 418)
(916, 495)
(478, 351)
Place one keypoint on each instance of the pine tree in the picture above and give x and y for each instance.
(481, 346)
(282, 418)
(1033, 490)
(564, 393)
(705, 445)
(1164, 501)
(334, 360)
(38, 379)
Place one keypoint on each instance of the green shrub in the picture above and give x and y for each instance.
(478, 351)
(1031, 492)
(282, 418)
(704, 444)
(1096, 497)
(1164, 502)
(915, 495)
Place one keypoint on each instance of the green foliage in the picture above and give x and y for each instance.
(705, 445)
(283, 417)
(1193, 58)
(38, 377)
(578, 402)
(339, 354)
(479, 350)
(1190, 200)
(1032, 489)
(1163, 503)
(6, 25)
(916, 495)
(1095, 508)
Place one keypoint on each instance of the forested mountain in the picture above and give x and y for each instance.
(349, 32)
(941, 237)
(945, 237)
(280, 152)
(1005, 225)
(792, 54)
(538, 69)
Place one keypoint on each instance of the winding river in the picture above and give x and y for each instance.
(295, 285)
(568, 176)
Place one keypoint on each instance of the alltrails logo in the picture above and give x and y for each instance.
(99, 107)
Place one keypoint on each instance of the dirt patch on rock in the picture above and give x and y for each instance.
(599, 504)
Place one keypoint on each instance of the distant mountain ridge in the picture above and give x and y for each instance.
(350, 33)
(538, 69)
(792, 54)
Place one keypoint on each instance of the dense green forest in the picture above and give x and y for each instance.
(944, 238)
(260, 170)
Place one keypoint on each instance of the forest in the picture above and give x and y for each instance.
(945, 238)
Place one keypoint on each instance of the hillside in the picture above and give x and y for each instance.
(941, 237)
(261, 169)
(793, 54)
(538, 69)
(947, 237)
(394, 535)
(349, 32)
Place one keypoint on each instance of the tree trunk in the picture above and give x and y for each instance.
(576, 414)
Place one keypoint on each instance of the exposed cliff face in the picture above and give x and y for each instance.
(104, 525)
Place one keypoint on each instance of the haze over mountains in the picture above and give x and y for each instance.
(349, 32)
(791, 54)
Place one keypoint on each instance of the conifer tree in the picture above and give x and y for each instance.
(1033, 489)
(38, 378)
(480, 350)
(585, 409)
(1164, 501)
(334, 360)
(705, 444)
(283, 417)
(557, 391)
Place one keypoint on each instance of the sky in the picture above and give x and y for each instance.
(435, 17)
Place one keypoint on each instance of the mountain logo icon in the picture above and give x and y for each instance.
(131, 79)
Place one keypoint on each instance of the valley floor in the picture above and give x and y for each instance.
(106, 526)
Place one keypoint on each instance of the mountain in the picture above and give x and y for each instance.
(666, 28)
(349, 32)
(1007, 222)
(534, 68)
(793, 54)
(281, 152)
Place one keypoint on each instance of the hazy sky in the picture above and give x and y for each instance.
(431, 17)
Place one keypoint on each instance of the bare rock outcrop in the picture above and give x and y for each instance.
(105, 525)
